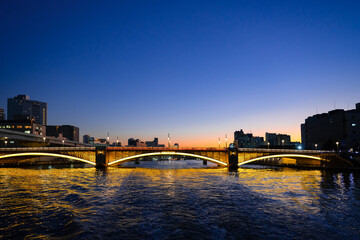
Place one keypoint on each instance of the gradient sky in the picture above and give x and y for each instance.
(194, 69)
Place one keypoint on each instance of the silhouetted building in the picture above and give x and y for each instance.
(256, 142)
(283, 140)
(88, 139)
(67, 131)
(271, 139)
(135, 143)
(25, 126)
(275, 140)
(154, 143)
(247, 140)
(2, 114)
(323, 131)
(21, 108)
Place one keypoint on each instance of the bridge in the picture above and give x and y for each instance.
(228, 157)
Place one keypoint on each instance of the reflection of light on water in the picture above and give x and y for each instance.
(145, 200)
(300, 187)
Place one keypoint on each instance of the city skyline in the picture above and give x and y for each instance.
(195, 70)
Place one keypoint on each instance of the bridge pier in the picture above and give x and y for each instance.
(101, 157)
(233, 159)
(204, 162)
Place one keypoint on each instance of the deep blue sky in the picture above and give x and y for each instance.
(196, 69)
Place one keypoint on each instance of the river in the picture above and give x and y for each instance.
(178, 200)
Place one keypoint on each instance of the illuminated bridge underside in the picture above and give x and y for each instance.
(36, 154)
(126, 159)
(282, 156)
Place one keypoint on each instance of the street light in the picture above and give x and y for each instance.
(316, 146)
(169, 140)
(268, 145)
(5, 143)
(283, 143)
(44, 138)
(337, 146)
(226, 140)
(63, 141)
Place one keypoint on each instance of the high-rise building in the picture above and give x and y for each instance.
(67, 131)
(2, 114)
(271, 139)
(274, 139)
(154, 143)
(88, 139)
(135, 143)
(337, 129)
(21, 108)
(247, 140)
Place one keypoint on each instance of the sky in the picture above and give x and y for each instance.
(195, 69)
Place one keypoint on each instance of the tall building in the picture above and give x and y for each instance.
(2, 114)
(332, 130)
(247, 140)
(88, 139)
(21, 108)
(135, 143)
(274, 139)
(154, 143)
(67, 131)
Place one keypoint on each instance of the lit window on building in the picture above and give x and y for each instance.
(27, 131)
(354, 124)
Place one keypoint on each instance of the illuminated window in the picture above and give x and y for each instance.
(19, 126)
(354, 124)
(27, 131)
(7, 126)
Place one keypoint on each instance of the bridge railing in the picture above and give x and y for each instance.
(166, 149)
(46, 149)
(277, 150)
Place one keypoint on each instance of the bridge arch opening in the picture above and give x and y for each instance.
(36, 154)
(127, 159)
(283, 156)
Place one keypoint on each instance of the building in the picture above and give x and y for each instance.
(276, 140)
(247, 140)
(154, 143)
(88, 140)
(66, 131)
(2, 114)
(24, 126)
(271, 139)
(242, 139)
(21, 107)
(283, 140)
(135, 143)
(337, 129)
(256, 142)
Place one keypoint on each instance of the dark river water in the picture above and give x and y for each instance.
(178, 200)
